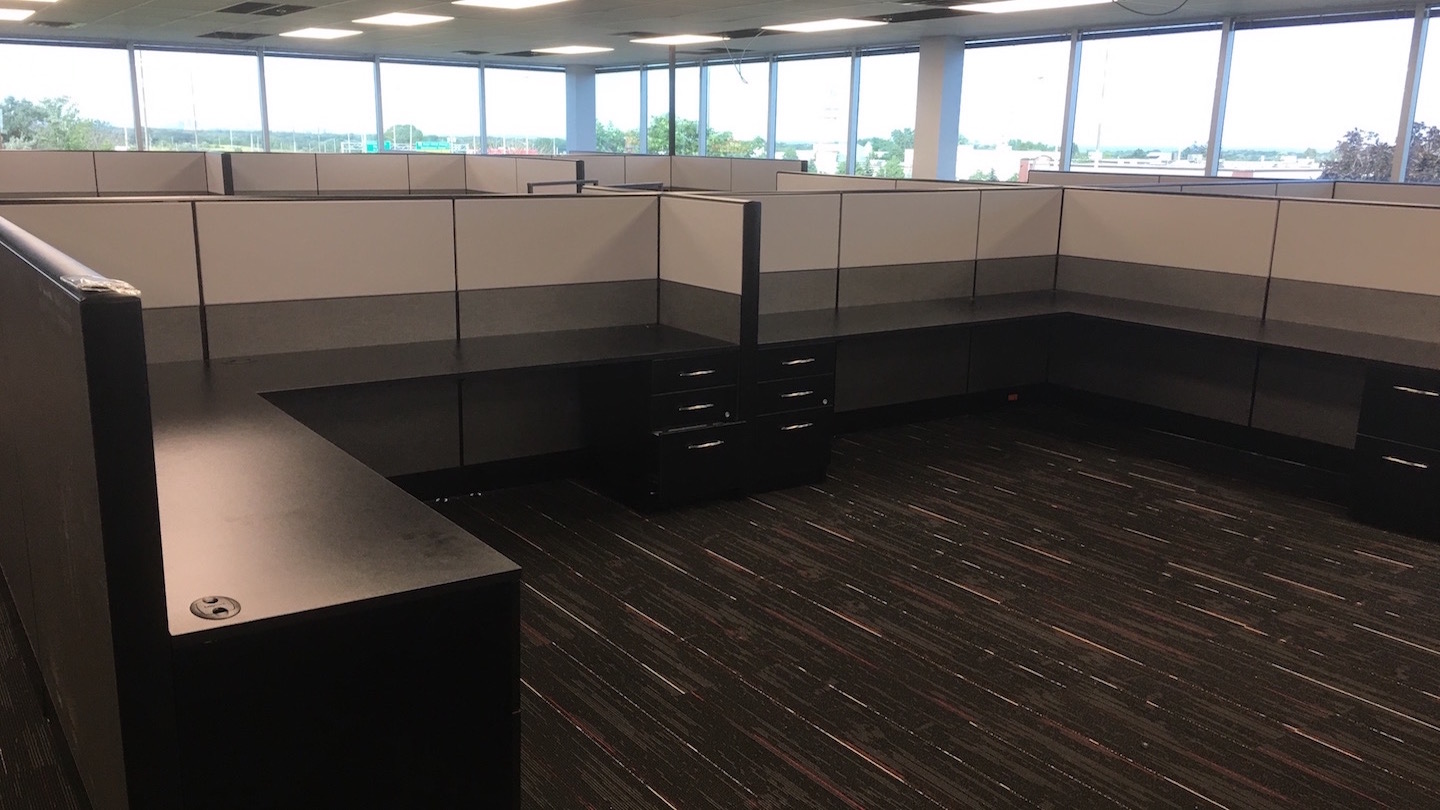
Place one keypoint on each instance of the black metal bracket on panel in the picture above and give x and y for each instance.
(578, 184)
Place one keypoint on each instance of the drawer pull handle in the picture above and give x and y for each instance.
(800, 426)
(1417, 465)
(705, 373)
(805, 361)
(795, 394)
(706, 445)
(1405, 389)
(689, 408)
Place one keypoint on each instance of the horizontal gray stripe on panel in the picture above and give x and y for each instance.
(696, 309)
(1025, 274)
(518, 310)
(521, 413)
(881, 370)
(238, 330)
(797, 291)
(1357, 309)
(172, 333)
(1312, 396)
(1009, 355)
(1193, 374)
(1233, 293)
(893, 284)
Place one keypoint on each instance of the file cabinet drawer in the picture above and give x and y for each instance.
(790, 449)
(795, 361)
(690, 464)
(801, 393)
(1397, 485)
(1403, 406)
(706, 406)
(689, 373)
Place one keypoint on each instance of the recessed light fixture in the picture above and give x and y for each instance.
(574, 50)
(819, 26)
(512, 5)
(40, 1)
(680, 39)
(403, 19)
(15, 14)
(1008, 6)
(322, 33)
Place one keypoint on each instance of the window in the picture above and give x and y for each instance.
(320, 105)
(886, 126)
(812, 112)
(430, 108)
(1012, 109)
(1145, 101)
(199, 101)
(525, 111)
(617, 111)
(1424, 163)
(65, 98)
(1313, 100)
(687, 110)
(739, 109)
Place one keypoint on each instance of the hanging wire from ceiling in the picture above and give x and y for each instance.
(1183, 4)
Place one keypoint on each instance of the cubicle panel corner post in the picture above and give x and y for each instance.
(77, 412)
(749, 300)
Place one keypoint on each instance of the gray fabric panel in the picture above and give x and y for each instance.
(238, 330)
(892, 369)
(1192, 374)
(514, 310)
(705, 312)
(1009, 355)
(797, 290)
(395, 428)
(172, 333)
(1232, 293)
(1027, 274)
(1357, 309)
(906, 282)
(515, 414)
(1309, 395)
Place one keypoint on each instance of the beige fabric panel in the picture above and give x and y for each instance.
(941, 185)
(297, 250)
(273, 172)
(755, 174)
(214, 172)
(1359, 245)
(1232, 189)
(702, 242)
(149, 244)
(1409, 193)
(1019, 222)
(542, 241)
(647, 169)
(608, 170)
(1317, 189)
(908, 227)
(804, 181)
(702, 173)
(41, 173)
(1222, 234)
(799, 232)
(151, 173)
(491, 173)
(543, 170)
(1058, 178)
(362, 173)
(436, 172)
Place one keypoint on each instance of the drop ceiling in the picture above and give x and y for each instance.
(504, 36)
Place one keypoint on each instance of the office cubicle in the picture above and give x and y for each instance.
(27, 173)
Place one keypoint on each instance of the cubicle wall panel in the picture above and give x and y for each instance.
(274, 327)
(1016, 275)
(880, 370)
(545, 170)
(909, 228)
(362, 173)
(703, 264)
(33, 173)
(151, 173)
(395, 428)
(1233, 293)
(1357, 309)
(799, 232)
(215, 172)
(540, 242)
(1408, 193)
(1006, 356)
(797, 290)
(607, 170)
(1019, 222)
(647, 169)
(521, 413)
(860, 286)
(173, 334)
(273, 173)
(436, 173)
(1192, 374)
(492, 173)
(700, 310)
(804, 181)
(1224, 235)
(1308, 395)
(1313, 189)
(1058, 178)
(700, 173)
(750, 175)
(514, 310)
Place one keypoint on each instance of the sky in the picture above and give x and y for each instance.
(1288, 90)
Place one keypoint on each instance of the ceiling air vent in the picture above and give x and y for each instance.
(281, 11)
(473, 53)
(245, 8)
(263, 9)
(52, 24)
(231, 36)
(518, 53)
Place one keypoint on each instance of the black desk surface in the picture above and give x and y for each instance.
(256, 507)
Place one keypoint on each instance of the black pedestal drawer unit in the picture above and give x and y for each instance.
(668, 431)
(1397, 464)
(792, 402)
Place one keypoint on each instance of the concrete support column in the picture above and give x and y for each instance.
(580, 108)
(937, 107)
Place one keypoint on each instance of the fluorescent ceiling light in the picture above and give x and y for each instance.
(321, 33)
(680, 39)
(507, 4)
(41, 1)
(819, 26)
(403, 19)
(15, 14)
(574, 50)
(1007, 6)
